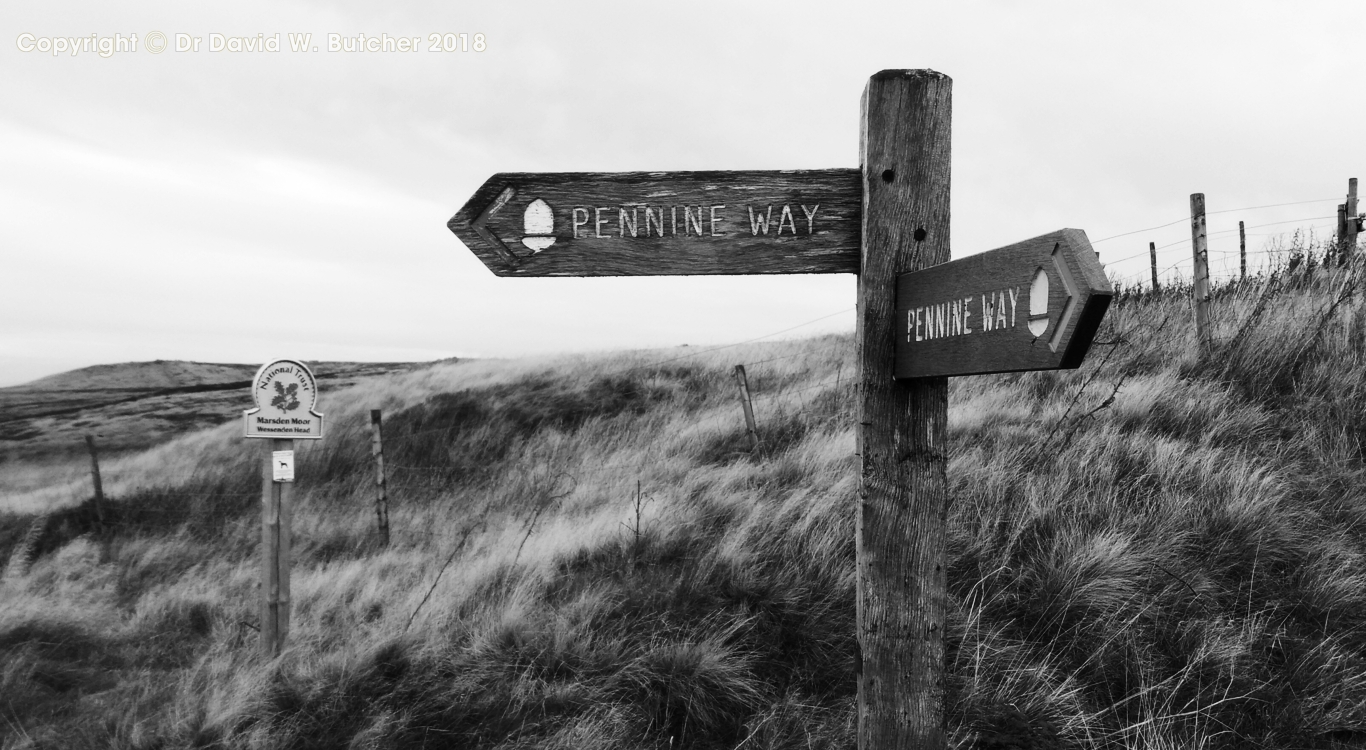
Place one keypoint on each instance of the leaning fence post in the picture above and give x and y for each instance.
(745, 402)
(1200, 251)
(95, 478)
(382, 496)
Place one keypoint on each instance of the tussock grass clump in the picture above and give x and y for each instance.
(1162, 549)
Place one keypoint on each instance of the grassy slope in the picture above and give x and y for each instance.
(1158, 550)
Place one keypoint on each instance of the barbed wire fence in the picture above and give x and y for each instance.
(1173, 256)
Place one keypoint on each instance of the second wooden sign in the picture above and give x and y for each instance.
(1034, 305)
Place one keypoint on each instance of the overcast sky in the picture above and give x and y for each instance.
(243, 206)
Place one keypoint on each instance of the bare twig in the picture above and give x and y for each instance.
(1122, 342)
(1269, 289)
(449, 559)
(639, 505)
(541, 508)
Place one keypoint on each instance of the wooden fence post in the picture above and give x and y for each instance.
(98, 500)
(1340, 237)
(1152, 262)
(748, 406)
(1352, 215)
(277, 500)
(1242, 253)
(903, 498)
(382, 498)
(1200, 289)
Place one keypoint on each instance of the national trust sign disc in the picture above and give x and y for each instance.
(285, 394)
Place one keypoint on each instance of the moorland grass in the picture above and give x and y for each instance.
(1162, 549)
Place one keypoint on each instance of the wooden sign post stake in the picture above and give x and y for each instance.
(277, 499)
(1034, 305)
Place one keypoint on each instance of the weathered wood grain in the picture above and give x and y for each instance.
(661, 223)
(904, 149)
(973, 315)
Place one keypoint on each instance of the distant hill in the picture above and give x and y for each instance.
(160, 373)
(136, 405)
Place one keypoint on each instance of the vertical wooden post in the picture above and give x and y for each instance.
(1152, 262)
(382, 496)
(1351, 223)
(270, 548)
(1340, 237)
(903, 498)
(276, 512)
(286, 549)
(1242, 253)
(1200, 251)
(98, 499)
(748, 406)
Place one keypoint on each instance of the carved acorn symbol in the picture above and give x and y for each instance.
(1038, 304)
(539, 223)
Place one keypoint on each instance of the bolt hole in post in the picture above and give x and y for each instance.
(921, 234)
(888, 175)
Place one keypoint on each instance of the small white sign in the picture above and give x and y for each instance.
(282, 462)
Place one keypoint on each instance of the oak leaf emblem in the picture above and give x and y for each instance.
(286, 399)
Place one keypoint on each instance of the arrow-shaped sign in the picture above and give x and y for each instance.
(665, 223)
(1034, 305)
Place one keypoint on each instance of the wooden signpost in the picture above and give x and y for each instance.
(285, 393)
(1034, 305)
(664, 223)
(888, 222)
